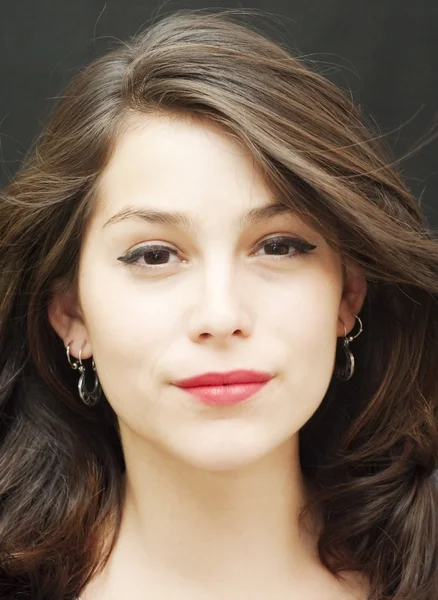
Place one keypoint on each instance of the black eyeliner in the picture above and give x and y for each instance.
(132, 256)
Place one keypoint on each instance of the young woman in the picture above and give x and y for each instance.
(218, 337)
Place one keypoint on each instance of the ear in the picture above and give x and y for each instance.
(353, 297)
(65, 316)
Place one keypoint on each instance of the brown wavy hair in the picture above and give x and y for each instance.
(369, 452)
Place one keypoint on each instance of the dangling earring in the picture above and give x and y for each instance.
(346, 372)
(87, 397)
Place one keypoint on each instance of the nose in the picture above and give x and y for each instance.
(219, 312)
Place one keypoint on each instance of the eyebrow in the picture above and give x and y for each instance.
(184, 221)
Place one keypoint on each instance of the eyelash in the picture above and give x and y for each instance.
(302, 247)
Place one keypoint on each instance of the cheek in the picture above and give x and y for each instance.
(129, 329)
(120, 308)
(305, 317)
(306, 308)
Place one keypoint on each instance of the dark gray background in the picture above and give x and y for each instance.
(383, 51)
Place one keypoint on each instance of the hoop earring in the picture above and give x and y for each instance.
(90, 398)
(346, 372)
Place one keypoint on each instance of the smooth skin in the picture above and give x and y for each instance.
(212, 493)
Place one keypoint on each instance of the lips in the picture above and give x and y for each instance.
(228, 378)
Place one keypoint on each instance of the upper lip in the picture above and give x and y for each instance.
(226, 378)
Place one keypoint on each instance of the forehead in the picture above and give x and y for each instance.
(180, 164)
(189, 167)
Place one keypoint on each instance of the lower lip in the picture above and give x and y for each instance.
(225, 395)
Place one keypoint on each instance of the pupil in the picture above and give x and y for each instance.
(155, 256)
(278, 245)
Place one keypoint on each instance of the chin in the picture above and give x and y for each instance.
(217, 463)
(212, 451)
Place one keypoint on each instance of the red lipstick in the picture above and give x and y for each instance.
(221, 389)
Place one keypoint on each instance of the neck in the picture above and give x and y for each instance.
(215, 526)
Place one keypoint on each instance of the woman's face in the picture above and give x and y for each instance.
(218, 295)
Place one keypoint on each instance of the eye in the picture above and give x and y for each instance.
(154, 255)
(285, 247)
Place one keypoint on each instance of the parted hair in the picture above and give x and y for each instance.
(369, 452)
